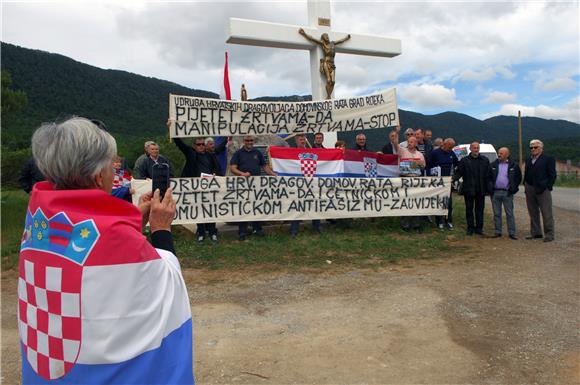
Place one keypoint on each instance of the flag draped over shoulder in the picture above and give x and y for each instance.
(320, 162)
(97, 304)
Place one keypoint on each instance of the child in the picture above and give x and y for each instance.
(121, 181)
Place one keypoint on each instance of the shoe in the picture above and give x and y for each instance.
(497, 235)
(469, 232)
(293, 235)
(200, 239)
(479, 232)
(258, 233)
(406, 229)
(548, 239)
(450, 226)
(513, 237)
(242, 238)
(440, 226)
(214, 238)
(534, 237)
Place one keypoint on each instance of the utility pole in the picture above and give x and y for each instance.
(520, 140)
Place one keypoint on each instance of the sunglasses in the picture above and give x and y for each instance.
(200, 144)
(534, 147)
(249, 140)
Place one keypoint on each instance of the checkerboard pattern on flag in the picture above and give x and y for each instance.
(370, 167)
(322, 162)
(49, 317)
(97, 304)
(308, 164)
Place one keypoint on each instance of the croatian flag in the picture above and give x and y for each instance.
(97, 304)
(307, 162)
(225, 94)
(310, 162)
(366, 164)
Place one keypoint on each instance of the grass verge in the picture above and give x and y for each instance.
(368, 242)
(567, 181)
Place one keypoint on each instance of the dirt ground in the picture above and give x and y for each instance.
(506, 312)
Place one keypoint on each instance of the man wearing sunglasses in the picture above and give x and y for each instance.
(539, 179)
(248, 161)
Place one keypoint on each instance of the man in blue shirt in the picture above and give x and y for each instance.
(506, 177)
(444, 160)
(248, 161)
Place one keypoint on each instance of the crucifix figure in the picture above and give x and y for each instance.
(264, 34)
(327, 67)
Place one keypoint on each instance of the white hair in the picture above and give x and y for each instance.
(70, 154)
(538, 142)
(209, 139)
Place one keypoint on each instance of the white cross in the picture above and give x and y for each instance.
(265, 34)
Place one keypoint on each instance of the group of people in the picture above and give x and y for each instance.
(418, 155)
(78, 238)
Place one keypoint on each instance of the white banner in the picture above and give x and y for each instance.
(275, 198)
(191, 116)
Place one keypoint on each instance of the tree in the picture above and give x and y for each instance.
(13, 101)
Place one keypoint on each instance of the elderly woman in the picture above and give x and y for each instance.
(97, 302)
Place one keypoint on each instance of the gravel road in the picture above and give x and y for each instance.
(502, 312)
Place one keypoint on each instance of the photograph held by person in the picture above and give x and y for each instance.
(248, 161)
(445, 159)
(198, 161)
(506, 177)
(30, 175)
(540, 176)
(134, 309)
(475, 171)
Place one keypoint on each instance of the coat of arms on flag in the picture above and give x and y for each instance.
(308, 162)
(370, 166)
(49, 306)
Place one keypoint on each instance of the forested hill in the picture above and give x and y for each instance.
(134, 107)
(57, 86)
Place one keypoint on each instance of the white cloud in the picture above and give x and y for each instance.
(569, 111)
(558, 84)
(428, 96)
(498, 97)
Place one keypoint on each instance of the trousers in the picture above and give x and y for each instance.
(540, 203)
(474, 206)
(502, 198)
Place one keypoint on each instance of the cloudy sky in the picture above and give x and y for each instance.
(479, 58)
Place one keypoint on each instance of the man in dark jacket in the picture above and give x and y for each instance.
(145, 170)
(540, 176)
(361, 143)
(506, 176)
(197, 162)
(29, 175)
(474, 169)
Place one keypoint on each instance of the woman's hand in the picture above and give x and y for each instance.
(162, 211)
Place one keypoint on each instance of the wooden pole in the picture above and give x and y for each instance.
(520, 140)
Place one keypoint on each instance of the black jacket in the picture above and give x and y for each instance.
(29, 175)
(476, 175)
(146, 168)
(193, 161)
(514, 175)
(388, 149)
(541, 174)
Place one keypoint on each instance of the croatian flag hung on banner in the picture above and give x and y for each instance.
(308, 162)
(97, 304)
(311, 162)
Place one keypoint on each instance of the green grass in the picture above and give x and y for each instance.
(13, 211)
(567, 181)
(354, 242)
